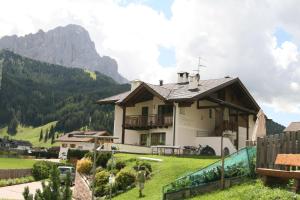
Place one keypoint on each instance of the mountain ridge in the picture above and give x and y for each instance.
(69, 46)
(35, 93)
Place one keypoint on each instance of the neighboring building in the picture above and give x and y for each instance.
(191, 112)
(74, 141)
(9, 144)
(293, 127)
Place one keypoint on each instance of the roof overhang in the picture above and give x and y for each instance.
(143, 87)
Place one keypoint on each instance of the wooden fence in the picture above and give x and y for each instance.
(268, 147)
(14, 173)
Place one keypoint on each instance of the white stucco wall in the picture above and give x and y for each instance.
(189, 122)
(118, 123)
(84, 145)
(192, 120)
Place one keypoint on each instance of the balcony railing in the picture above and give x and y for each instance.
(148, 122)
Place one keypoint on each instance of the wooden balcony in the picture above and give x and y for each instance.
(139, 122)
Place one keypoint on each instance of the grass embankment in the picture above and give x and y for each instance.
(163, 173)
(253, 190)
(173, 167)
(31, 134)
(16, 163)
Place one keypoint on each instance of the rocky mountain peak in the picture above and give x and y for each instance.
(70, 46)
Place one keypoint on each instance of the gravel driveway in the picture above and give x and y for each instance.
(14, 192)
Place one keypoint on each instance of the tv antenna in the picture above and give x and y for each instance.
(199, 65)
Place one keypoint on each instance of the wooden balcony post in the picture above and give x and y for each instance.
(237, 130)
(247, 127)
(123, 124)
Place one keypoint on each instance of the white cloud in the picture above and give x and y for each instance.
(234, 37)
(286, 54)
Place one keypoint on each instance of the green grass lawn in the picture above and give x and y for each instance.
(163, 173)
(252, 190)
(31, 134)
(16, 163)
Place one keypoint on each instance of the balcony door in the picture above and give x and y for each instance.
(145, 113)
(164, 110)
(158, 138)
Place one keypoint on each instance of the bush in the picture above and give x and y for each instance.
(144, 165)
(125, 179)
(84, 166)
(76, 153)
(41, 169)
(102, 158)
(99, 169)
(119, 164)
(101, 180)
(7, 182)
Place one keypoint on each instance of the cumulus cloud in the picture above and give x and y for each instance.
(234, 38)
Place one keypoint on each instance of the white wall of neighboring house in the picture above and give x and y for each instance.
(78, 145)
(118, 123)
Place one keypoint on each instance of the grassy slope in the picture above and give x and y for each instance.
(31, 134)
(247, 191)
(163, 173)
(16, 163)
(92, 74)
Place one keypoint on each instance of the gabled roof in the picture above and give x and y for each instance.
(293, 127)
(71, 137)
(180, 92)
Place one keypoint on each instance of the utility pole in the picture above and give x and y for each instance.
(95, 149)
(222, 151)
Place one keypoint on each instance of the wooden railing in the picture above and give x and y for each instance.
(147, 122)
(230, 126)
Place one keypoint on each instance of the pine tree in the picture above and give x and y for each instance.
(52, 138)
(51, 132)
(53, 190)
(41, 135)
(46, 136)
(13, 126)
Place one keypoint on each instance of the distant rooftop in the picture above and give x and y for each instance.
(292, 127)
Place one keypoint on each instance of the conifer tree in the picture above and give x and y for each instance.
(41, 135)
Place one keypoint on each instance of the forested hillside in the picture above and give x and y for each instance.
(35, 93)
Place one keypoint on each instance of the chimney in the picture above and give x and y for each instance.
(161, 82)
(183, 77)
(135, 83)
(194, 82)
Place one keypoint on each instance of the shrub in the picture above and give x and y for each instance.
(144, 165)
(41, 169)
(99, 169)
(102, 158)
(84, 166)
(76, 153)
(7, 182)
(101, 181)
(125, 179)
(101, 178)
(118, 164)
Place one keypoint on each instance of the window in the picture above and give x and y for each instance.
(143, 139)
(210, 113)
(73, 145)
(64, 145)
(158, 138)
